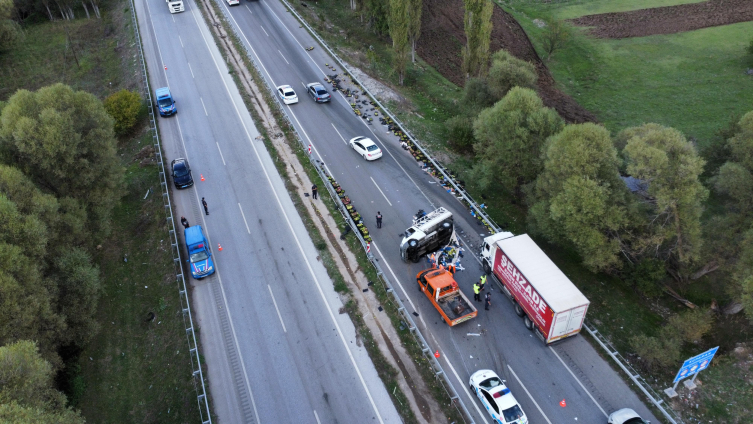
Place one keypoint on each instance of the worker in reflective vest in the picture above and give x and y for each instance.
(477, 292)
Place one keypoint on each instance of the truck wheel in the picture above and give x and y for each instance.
(519, 310)
(487, 269)
(528, 323)
(416, 259)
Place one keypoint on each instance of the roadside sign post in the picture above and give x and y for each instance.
(691, 366)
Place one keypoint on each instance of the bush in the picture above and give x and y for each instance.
(125, 107)
(477, 96)
(507, 71)
(657, 352)
(646, 276)
(460, 133)
(691, 325)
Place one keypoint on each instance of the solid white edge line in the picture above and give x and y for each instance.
(276, 308)
(529, 395)
(244, 218)
(579, 382)
(292, 232)
(380, 190)
(465, 388)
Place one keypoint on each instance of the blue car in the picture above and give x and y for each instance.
(165, 102)
(199, 254)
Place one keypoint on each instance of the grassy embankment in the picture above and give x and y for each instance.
(132, 371)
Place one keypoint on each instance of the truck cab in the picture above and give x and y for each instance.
(427, 234)
(199, 254)
(165, 102)
(175, 6)
(440, 287)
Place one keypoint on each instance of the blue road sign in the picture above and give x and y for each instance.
(696, 364)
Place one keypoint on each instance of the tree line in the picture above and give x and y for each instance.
(60, 178)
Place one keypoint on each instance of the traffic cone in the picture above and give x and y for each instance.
(219, 247)
(202, 177)
(436, 354)
(563, 404)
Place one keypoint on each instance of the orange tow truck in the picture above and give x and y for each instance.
(439, 286)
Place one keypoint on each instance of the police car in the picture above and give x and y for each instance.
(496, 398)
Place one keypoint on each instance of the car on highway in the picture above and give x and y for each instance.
(287, 94)
(496, 398)
(181, 173)
(318, 92)
(233, 2)
(366, 148)
(165, 101)
(626, 416)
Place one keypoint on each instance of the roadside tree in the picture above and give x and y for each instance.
(63, 140)
(509, 139)
(507, 72)
(478, 30)
(399, 19)
(579, 198)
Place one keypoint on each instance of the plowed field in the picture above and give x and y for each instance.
(442, 37)
(667, 20)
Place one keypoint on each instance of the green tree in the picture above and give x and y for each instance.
(735, 177)
(10, 31)
(26, 387)
(399, 19)
(459, 131)
(664, 159)
(476, 96)
(478, 31)
(743, 275)
(124, 107)
(510, 136)
(376, 14)
(507, 72)
(579, 197)
(555, 36)
(79, 288)
(415, 8)
(63, 140)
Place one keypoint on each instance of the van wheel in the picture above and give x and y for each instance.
(527, 321)
(416, 259)
(519, 310)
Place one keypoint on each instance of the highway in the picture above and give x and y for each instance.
(541, 377)
(276, 348)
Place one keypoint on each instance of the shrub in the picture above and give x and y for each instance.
(657, 352)
(691, 325)
(125, 107)
(460, 133)
(646, 276)
(507, 71)
(477, 96)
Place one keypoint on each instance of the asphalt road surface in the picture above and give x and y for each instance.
(276, 347)
(539, 376)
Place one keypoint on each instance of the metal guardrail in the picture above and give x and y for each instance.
(639, 381)
(414, 331)
(201, 393)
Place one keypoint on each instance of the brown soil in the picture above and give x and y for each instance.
(442, 38)
(667, 20)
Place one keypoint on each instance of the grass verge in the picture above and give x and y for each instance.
(133, 370)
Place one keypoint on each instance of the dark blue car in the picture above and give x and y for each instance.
(182, 173)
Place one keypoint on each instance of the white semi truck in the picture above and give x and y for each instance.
(175, 6)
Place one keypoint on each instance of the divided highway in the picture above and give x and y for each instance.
(539, 376)
(276, 347)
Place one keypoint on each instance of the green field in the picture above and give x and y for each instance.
(693, 81)
(564, 9)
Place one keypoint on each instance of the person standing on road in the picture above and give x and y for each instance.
(204, 203)
(476, 292)
(314, 191)
(184, 221)
(379, 219)
(488, 300)
(482, 282)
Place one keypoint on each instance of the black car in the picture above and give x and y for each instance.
(182, 173)
(318, 92)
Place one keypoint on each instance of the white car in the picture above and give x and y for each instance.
(366, 148)
(233, 2)
(287, 94)
(496, 398)
(626, 416)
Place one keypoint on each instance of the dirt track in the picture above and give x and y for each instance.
(667, 20)
(442, 38)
